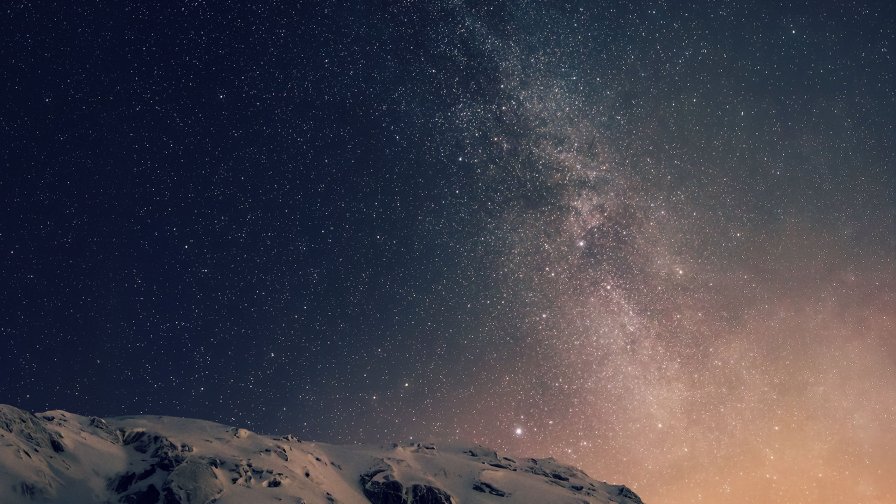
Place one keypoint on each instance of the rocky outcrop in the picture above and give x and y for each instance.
(193, 482)
(165, 454)
(186, 479)
(102, 429)
(628, 494)
(382, 487)
(485, 487)
(426, 494)
(571, 478)
(29, 428)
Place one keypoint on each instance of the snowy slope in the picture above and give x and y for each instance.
(66, 458)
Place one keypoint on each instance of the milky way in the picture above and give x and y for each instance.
(655, 241)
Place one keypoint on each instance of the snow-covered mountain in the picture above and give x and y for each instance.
(66, 458)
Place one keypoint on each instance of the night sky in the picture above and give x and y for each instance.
(655, 240)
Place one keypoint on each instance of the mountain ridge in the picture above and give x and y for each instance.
(62, 457)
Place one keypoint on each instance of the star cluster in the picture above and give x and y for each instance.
(655, 240)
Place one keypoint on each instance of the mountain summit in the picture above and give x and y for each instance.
(61, 457)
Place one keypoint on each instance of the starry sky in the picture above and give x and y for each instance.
(653, 239)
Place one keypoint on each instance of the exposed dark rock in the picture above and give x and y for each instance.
(146, 473)
(425, 494)
(628, 493)
(538, 471)
(103, 430)
(482, 452)
(29, 429)
(170, 497)
(484, 487)
(167, 455)
(122, 483)
(13, 419)
(193, 482)
(98, 423)
(248, 475)
(380, 487)
(150, 495)
(239, 433)
(555, 471)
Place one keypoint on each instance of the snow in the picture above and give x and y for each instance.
(66, 458)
